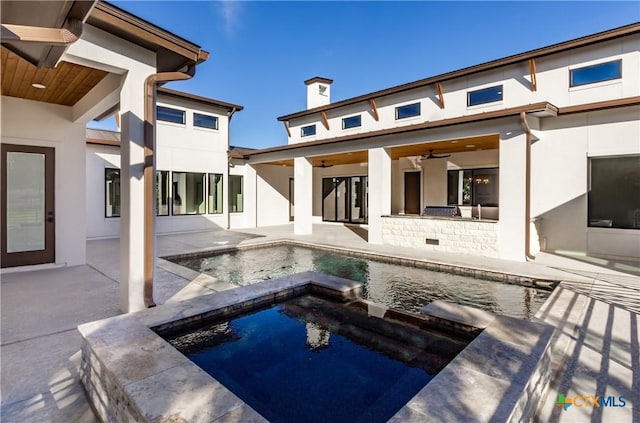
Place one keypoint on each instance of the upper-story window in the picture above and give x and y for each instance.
(205, 121)
(485, 95)
(595, 73)
(307, 131)
(407, 111)
(168, 114)
(351, 122)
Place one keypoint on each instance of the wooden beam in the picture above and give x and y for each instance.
(440, 95)
(325, 121)
(286, 126)
(374, 109)
(532, 72)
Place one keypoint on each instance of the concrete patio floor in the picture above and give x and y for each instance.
(595, 314)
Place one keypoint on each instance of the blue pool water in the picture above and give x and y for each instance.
(406, 288)
(312, 360)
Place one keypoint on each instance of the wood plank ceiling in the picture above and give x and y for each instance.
(65, 84)
(486, 142)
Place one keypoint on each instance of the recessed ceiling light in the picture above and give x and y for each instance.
(471, 145)
(38, 86)
(454, 142)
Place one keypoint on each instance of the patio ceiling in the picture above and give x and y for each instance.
(65, 84)
(485, 142)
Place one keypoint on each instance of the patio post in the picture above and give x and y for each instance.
(379, 191)
(132, 190)
(513, 149)
(303, 193)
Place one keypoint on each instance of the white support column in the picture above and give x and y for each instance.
(303, 193)
(512, 194)
(132, 193)
(379, 191)
(250, 196)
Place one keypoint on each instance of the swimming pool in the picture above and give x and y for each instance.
(402, 287)
(300, 360)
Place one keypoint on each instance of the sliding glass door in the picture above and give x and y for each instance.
(344, 199)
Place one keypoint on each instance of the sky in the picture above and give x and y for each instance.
(262, 51)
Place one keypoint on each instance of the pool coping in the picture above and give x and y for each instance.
(131, 374)
(434, 265)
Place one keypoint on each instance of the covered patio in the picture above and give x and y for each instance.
(456, 185)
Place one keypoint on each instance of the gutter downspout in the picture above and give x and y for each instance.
(527, 211)
(149, 168)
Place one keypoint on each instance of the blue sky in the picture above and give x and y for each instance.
(261, 52)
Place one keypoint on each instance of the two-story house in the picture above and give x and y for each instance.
(540, 150)
(195, 188)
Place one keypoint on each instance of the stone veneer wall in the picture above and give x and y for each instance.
(454, 235)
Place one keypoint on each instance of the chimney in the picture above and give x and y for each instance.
(318, 92)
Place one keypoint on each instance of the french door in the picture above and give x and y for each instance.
(344, 199)
(28, 221)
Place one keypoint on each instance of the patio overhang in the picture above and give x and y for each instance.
(448, 146)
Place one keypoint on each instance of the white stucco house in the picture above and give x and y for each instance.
(195, 187)
(540, 150)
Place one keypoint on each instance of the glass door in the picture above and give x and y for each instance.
(28, 221)
(345, 199)
(359, 199)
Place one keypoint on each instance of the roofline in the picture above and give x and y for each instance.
(514, 111)
(199, 99)
(107, 12)
(509, 60)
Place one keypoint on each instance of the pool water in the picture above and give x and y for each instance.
(313, 360)
(405, 288)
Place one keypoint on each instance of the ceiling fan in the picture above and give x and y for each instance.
(433, 156)
(323, 164)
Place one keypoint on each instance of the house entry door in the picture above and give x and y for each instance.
(412, 192)
(28, 221)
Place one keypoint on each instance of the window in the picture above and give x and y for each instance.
(351, 122)
(235, 193)
(188, 193)
(614, 192)
(407, 111)
(307, 131)
(215, 193)
(162, 193)
(112, 192)
(485, 95)
(205, 121)
(596, 73)
(170, 115)
(472, 187)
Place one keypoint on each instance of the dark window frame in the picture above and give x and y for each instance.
(483, 91)
(231, 193)
(169, 185)
(591, 222)
(215, 119)
(302, 131)
(572, 72)
(209, 205)
(346, 125)
(473, 200)
(170, 109)
(407, 106)
(173, 193)
(107, 170)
